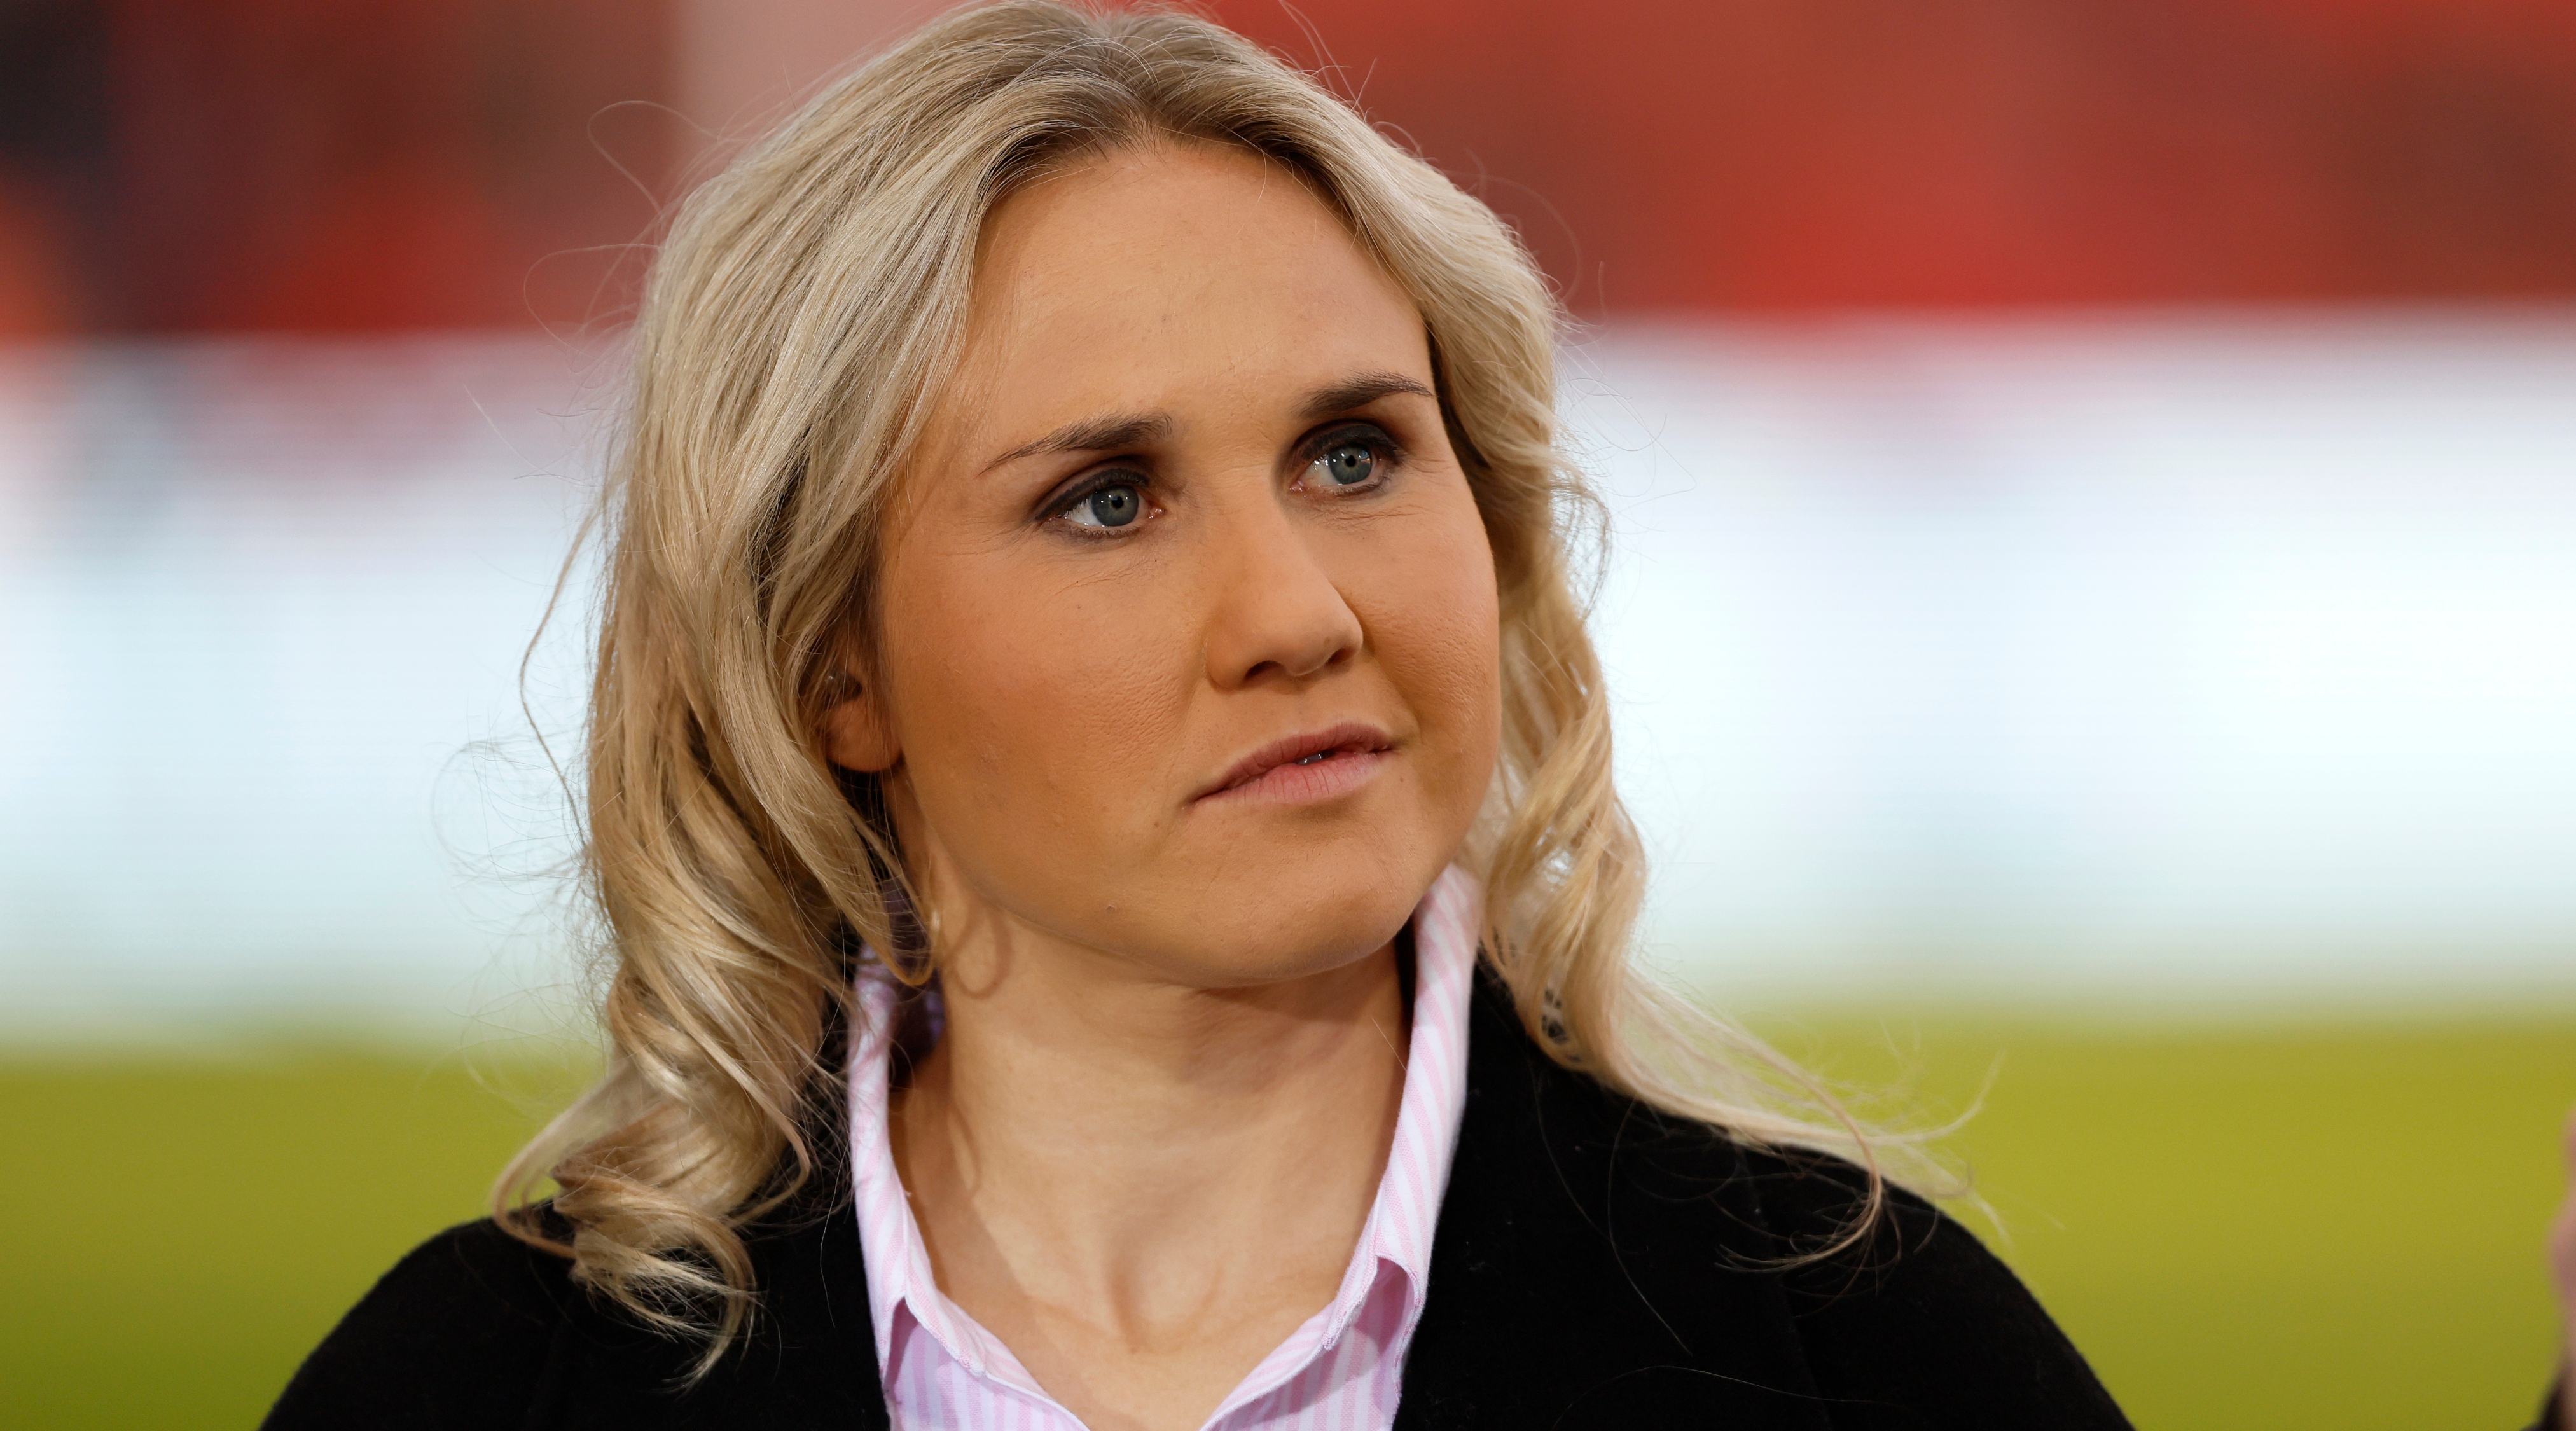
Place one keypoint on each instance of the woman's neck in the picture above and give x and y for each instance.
(1143, 1188)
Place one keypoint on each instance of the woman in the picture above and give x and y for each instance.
(1100, 795)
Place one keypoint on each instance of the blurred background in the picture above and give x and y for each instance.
(2093, 606)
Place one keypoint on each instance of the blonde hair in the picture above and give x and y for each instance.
(797, 324)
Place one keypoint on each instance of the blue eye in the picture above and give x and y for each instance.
(1347, 464)
(1111, 507)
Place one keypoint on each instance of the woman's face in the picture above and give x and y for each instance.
(1186, 648)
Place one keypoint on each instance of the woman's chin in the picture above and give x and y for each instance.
(1270, 916)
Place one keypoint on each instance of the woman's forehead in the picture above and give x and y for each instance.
(1153, 278)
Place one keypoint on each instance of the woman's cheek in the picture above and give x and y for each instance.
(1471, 698)
(1061, 703)
(1442, 644)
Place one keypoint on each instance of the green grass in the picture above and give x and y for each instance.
(2249, 1226)
(181, 1232)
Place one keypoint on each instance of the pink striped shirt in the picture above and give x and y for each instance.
(1341, 1371)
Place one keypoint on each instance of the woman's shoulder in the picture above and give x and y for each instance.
(1902, 1315)
(476, 1328)
(1905, 1306)
(1718, 1277)
(460, 1333)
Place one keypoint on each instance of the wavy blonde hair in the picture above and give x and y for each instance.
(797, 324)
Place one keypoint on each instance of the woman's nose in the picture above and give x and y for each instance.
(1277, 613)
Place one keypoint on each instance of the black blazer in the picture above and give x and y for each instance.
(1596, 1264)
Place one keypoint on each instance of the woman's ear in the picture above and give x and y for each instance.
(856, 734)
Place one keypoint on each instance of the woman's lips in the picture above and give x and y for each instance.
(1305, 769)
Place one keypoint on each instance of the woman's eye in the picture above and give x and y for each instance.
(1109, 507)
(1346, 464)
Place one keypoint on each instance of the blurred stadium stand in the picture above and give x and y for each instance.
(290, 165)
(2103, 467)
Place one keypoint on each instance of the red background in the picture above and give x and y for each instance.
(1804, 153)
(195, 165)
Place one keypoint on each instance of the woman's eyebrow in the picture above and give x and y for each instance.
(1092, 434)
(1359, 392)
(1111, 431)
